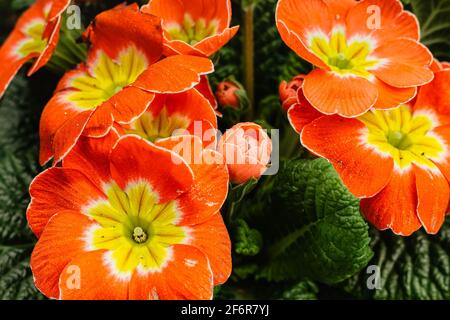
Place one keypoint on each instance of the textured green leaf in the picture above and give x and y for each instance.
(417, 267)
(304, 290)
(18, 165)
(247, 241)
(16, 280)
(434, 17)
(16, 239)
(313, 225)
(15, 176)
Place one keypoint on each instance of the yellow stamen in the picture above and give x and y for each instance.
(135, 228)
(403, 135)
(108, 77)
(159, 127)
(191, 31)
(343, 56)
(33, 43)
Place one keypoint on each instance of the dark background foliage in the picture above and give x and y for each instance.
(298, 235)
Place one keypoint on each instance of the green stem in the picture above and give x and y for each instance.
(249, 67)
(290, 143)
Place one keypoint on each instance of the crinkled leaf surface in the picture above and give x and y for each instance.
(313, 226)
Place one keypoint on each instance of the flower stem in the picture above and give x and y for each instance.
(249, 67)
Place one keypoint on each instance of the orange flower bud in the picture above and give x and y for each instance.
(226, 94)
(246, 148)
(289, 91)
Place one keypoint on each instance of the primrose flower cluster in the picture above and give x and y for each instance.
(376, 106)
(124, 212)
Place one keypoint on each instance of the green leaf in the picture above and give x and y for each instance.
(15, 177)
(434, 17)
(313, 225)
(416, 267)
(304, 290)
(20, 109)
(16, 280)
(247, 241)
(16, 239)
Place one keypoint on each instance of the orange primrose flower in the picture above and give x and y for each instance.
(397, 161)
(185, 113)
(137, 222)
(198, 27)
(124, 70)
(288, 91)
(246, 149)
(367, 53)
(34, 37)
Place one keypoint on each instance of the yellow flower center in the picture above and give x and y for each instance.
(107, 77)
(405, 136)
(136, 230)
(344, 56)
(33, 43)
(191, 31)
(162, 126)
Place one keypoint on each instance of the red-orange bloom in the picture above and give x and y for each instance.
(137, 222)
(183, 113)
(397, 160)
(34, 37)
(246, 149)
(289, 91)
(226, 94)
(367, 53)
(199, 27)
(124, 71)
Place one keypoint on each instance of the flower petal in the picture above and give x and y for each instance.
(210, 187)
(91, 156)
(295, 27)
(340, 8)
(56, 190)
(125, 26)
(61, 241)
(211, 45)
(433, 198)
(174, 74)
(212, 238)
(52, 41)
(97, 279)
(348, 96)
(187, 276)
(135, 159)
(394, 21)
(173, 11)
(191, 104)
(124, 107)
(443, 134)
(204, 87)
(67, 135)
(300, 115)
(391, 97)
(363, 170)
(436, 94)
(57, 112)
(395, 206)
(407, 63)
